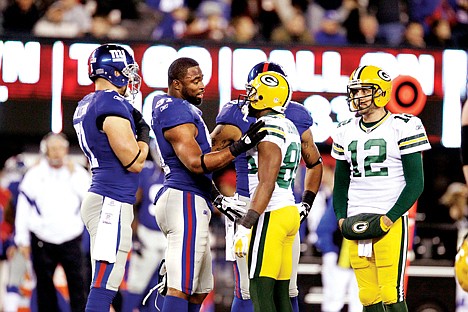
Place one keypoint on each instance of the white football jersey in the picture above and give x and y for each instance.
(283, 133)
(374, 157)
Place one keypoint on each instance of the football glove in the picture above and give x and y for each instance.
(364, 226)
(241, 241)
(304, 209)
(161, 286)
(249, 139)
(232, 207)
(162, 278)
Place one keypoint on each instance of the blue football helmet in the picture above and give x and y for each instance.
(264, 67)
(113, 63)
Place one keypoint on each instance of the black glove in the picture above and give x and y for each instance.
(304, 207)
(363, 226)
(141, 127)
(249, 139)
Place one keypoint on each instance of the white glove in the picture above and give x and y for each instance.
(231, 207)
(241, 241)
(304, 210)
(162, 278)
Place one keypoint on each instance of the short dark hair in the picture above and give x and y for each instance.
(178, 68)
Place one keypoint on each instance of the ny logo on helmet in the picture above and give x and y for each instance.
(117, 55)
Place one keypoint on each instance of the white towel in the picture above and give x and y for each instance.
(105, 244)
(365, 248)
(229, 225)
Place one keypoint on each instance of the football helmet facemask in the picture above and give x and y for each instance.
(115, 64)
(269, 90)
(369, 77)
(461, 265)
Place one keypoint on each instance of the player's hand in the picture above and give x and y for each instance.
(232, 207)
(304, 209)
(241, 241)
(141, 127)
(249, 139)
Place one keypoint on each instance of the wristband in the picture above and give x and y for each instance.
(249, 219)
(134, 159)
(308, 197)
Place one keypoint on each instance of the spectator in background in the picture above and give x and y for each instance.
(294, 29)
(109, 22)
(12, 174)
(389, 16)
(209, 23)
(242, 29)
(440, 34)
(460, 30)
(369, 27)
(353, 11)
(316, 10)
(20, 17)
(48, 222)
(414, 36)
(173, 24)
(330, 32)
(64, 18)
(361, 27)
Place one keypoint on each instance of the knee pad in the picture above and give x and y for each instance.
(369, 295)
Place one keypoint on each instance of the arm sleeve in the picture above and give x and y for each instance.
(340, 189)
(414, 177)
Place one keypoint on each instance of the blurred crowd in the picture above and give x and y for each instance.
(394, 23)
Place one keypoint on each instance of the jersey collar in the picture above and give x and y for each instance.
(369, 127)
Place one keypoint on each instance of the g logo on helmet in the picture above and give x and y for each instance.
(383, 75)
(360, 226)
(269, 80)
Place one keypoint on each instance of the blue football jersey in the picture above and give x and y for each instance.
(169, 112)
(231, 114)
(109, 177)
(151, 181)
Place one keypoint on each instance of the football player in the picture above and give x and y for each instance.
(378, 177)
(114, 137)
(183, 205)
(231, 123)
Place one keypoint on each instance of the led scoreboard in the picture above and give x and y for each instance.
(40, 83)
